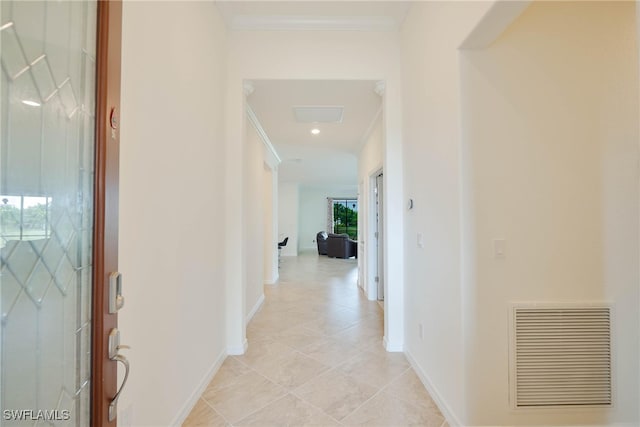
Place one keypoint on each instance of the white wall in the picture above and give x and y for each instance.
(551, 142)
(312, 216)
(369, 163)
(318, 55)
(255, 211)
(638, 46)
(431, 152)
(171, 206)
(270, 224)
(288, 205)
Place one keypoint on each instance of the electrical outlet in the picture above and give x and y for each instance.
(420, 332)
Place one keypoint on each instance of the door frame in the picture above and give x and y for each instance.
(379, 234)
(104, 372)
(372, 248)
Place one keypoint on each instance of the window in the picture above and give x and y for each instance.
(345, 217)
(24, 218)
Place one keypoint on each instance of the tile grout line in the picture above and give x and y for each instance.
(310, 379)
(214, 410)
(275, 295)
(262, 407)
(325, 363)
(271, 381)
(393, 378)
(332, 368)
(410, 368)
(251, 369)
(293, 393)
(287, 392)
(223, 387)
(379, 392)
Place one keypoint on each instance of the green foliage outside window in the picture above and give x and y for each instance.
(24, 218)
(345, 217)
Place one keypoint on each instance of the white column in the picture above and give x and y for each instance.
(274, 226)
(393, 227)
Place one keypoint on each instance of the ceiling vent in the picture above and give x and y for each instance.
(318, 114)
(561, 356)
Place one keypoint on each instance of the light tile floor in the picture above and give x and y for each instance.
(315, 357)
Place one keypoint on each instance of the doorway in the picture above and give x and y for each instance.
(296, 196)
(379, 236)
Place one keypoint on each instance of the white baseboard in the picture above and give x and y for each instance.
(193, 399)
(371, 296)
(237, 350)
(446, 411)
(273, 280)
(255, 309)
(392, 347)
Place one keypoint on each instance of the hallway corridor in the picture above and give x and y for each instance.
(315, 357)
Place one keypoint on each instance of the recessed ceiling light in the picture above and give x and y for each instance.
(315, 131)
(31, 103)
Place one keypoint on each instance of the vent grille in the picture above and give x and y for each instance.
(562, 356)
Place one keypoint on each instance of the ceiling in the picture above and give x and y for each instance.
(313, 15)
(329, 158)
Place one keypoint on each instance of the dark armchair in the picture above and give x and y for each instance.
(321, 239)
(341, 246)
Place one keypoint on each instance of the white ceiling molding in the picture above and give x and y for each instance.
(336, 144)
(248, 88)
(263, 136)
(367, 133)
(380, 87)
(314, 23)
(494, 22)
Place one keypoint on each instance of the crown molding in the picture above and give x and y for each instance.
(494, 22)
(314, 23)
(263, 135)
(367, 133)
(380, 87)
(248, 88)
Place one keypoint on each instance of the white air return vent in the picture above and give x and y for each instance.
(561, 356)
(318, 114)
